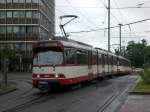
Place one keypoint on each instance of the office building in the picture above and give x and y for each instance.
(23, 22)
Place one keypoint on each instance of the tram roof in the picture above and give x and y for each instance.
(69, 43)
(76, 44)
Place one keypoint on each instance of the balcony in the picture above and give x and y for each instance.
(19, 21)
(2, 6)
(19, 6)
(2, 21)
(21, 37)
(2, 36)
(35, 5)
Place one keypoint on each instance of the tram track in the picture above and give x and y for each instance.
(112, 98)
(22, 99)
(41, 97)
(102, 107)
(37, 99)
(16, 96)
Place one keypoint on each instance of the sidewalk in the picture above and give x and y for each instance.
(11, 77)
(136, 103)
(19, 75)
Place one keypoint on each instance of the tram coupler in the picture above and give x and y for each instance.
(43, 85)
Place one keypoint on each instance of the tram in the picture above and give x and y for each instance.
(68, 62)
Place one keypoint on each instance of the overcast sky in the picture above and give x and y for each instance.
(92, 14)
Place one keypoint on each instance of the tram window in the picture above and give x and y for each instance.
(103, 59)
(115, 61)
(89, 57)
(99, 59)
(109, 60)
(94, 58)
(69, 55)
(121, 62)
(52, 56)
(112, 60)
(106, 60)
(118, 62)
(81, 57)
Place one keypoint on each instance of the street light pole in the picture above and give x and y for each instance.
(108, 25)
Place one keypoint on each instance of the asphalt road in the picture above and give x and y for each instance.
(100, 96)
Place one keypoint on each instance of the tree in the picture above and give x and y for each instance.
(138, 53)
(7, 53)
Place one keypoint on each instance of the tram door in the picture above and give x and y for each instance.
(103, 64)
(94, 63)
(90, 67)
(99, 65)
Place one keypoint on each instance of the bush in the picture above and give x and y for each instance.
(145, 75)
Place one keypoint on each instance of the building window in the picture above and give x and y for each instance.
(16, 46)
(28, 1)
(9, 29)
(21, 1)
(9, 14)
(29, 29)
(22, 29)
(9, 1)
(15, 14)
(35, 29)
(2, 29)
(2, 14)
(35, 1)
(21, 14)
(23, 46)
(28, 14)
(15, 29)
(2, 1)
(35, 14)
(29, 47)
(15, 1)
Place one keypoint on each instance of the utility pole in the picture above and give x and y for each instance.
(120, 25)
(108, 25)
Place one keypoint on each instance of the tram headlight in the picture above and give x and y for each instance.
(56, 75)
(38, 76)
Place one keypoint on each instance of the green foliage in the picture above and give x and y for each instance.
(145, 75)
(138, 53)
(7, 53)
(141, 87)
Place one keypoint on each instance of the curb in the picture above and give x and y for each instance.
(7, 91)
(139, 93)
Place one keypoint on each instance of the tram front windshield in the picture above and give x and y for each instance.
(50, 56)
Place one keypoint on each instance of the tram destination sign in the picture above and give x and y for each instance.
(48, 44)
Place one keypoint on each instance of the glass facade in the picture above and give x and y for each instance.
(26, 20)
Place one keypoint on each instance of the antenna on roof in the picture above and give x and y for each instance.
(62, 25)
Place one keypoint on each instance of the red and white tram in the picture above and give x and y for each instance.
(60, 62)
